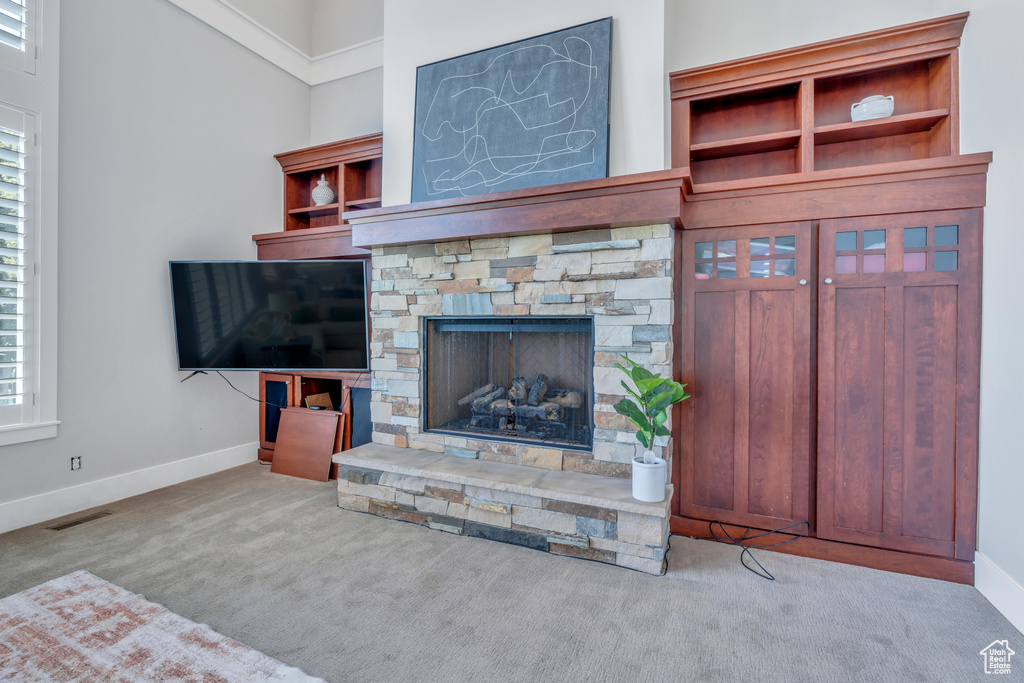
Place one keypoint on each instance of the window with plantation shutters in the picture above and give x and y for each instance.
(12, 255)
(29, 98)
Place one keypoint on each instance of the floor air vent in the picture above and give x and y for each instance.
(80, 520)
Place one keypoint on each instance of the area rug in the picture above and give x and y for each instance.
(82, 628)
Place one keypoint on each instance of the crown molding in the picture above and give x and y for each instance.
(348, 61)
(249, 33)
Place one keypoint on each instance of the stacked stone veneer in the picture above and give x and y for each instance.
(620, 276)
(529, 516)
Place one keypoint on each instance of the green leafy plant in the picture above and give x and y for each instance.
(654, 395)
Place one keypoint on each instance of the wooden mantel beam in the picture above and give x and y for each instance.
(638, 199)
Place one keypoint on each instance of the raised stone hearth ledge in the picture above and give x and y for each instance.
(619, 201)
(563, 512)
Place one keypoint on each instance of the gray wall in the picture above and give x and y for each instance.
(167, 133)
(347, 107)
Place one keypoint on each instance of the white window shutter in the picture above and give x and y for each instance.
(15, 179)
(17, 35)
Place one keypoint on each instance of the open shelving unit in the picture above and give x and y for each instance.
(352, 169)
(788, 112)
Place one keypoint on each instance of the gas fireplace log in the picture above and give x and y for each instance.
(477, 393)
(483, 404)
(537, 390)
(567, 398)
(517, 391)
(552, 412)
(503, 407)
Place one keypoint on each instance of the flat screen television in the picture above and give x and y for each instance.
(270, 315)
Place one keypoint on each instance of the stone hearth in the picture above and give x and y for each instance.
(563, 512)
(572, 501)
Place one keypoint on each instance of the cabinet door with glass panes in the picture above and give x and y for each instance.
(898, 363)
(746, 315)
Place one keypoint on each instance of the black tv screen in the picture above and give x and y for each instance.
(270, 315)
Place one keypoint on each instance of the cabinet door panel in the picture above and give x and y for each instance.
(744, 439)
(929, 412)
(859, 338)
(897, 381)
(276, 393)
(714, 344)
(771, 406)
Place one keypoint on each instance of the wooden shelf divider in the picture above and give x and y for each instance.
(752, 144)
(364, 203)
(902, 124)
(323, 210)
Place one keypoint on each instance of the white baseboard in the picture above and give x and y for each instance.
(1000, 589)
(46, 506)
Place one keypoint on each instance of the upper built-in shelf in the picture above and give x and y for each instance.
(788, 112)
(352, 169)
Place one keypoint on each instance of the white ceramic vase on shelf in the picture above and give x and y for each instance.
(322, 194)
(649, 478)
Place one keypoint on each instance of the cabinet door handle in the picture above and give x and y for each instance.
(803, 282)
(828, 281)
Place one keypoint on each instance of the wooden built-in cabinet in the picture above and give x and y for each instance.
(352, 169)
(280, 390)
(746, 312)
(898, 364)
(829, 301)
(786, 113)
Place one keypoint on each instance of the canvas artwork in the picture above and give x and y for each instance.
(525, 114)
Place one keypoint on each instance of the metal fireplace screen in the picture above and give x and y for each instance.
(525, 379)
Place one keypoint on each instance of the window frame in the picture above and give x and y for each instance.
(32, 87)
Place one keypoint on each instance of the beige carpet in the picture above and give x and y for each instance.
(271, 562)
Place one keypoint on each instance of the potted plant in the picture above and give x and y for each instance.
(648, 412)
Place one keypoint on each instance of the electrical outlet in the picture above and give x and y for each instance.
(76, 462)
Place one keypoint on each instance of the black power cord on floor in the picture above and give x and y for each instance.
(746, 550)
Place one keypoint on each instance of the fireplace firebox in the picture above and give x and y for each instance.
(517, 378)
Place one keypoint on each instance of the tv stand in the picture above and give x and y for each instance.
(288, 389)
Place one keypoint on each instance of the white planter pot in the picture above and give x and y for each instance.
(649, 480)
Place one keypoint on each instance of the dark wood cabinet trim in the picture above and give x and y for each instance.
(863, 51)
(938, 184)
(639, 199)
(311, 243)
(352, 149)
(944, 569)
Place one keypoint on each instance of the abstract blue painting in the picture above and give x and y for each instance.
(525, 114)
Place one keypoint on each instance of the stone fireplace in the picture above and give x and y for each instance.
(514, 379)
(493, 365)
(620, 278)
